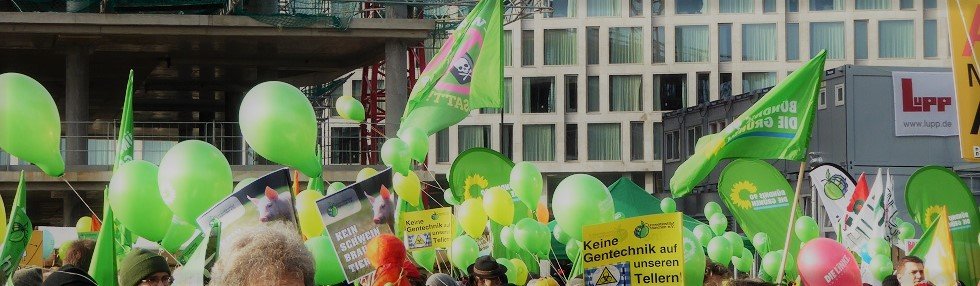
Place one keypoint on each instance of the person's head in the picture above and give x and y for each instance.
(142, 267)
(910, 271)
(79, 253)
(441, 279)
(487, 272)
(270, 251)
(69, 275)
(31, 276)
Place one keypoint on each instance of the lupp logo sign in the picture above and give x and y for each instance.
(924, 104)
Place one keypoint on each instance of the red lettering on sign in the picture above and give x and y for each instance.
(911, 103)
(974, 35)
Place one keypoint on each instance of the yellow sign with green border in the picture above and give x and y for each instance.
(428, 228)
(644, 250)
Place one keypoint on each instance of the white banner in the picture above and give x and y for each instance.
(924, 104)
(835, 188)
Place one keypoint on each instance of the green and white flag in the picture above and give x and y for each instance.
(19, 230)
(467, 73)
(776, 127)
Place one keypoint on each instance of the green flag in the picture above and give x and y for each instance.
(932, 189)
(467, 73)
(775, 127)
(936, 250)
(18, 233)
(759, 198)
(103, 266)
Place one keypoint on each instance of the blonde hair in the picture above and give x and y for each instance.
(272, 251)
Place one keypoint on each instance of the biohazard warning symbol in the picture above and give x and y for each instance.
(606, 277)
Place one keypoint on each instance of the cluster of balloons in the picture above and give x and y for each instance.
(881, 262)
(411, 144)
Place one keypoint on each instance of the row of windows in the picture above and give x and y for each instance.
(614, 8)
(896, 39)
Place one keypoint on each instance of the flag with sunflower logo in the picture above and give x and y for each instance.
(759, 198)
(18, 233)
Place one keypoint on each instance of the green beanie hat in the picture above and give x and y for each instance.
(140, 263)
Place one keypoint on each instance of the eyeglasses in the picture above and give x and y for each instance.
(165, 280)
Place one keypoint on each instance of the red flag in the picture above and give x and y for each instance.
(860, 195)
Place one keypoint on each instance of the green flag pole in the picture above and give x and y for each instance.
(792, 219)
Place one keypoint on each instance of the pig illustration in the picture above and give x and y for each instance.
(273, 206)
(383, 207)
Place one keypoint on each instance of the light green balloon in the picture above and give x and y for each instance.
(694, 259)
(425, 258)
(350, 108)
(906, 230)
(178, 233)
(530, 236)
(881, 266)
(278, 121)
(30, 125)
(512, 270)
(366, 173)
(560, 235)
(463, 252)
(507, 238)
(770, 263)
(136, 202)
(335, 187)
(327, 267)
(581, 200)
(526, 181)
(744, 261)
(712, 208)
(879, 245)
(244, 182)
(193, 177)
(573, 249)
(703, 233)
(736, 242)
(668, 205)
(718, 223)
(806, 228)
(417, 141)
(449, 197)
(761, 243)
(395, 154)
(720, 250)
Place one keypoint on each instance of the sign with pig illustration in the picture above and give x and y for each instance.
(266, 199)
(355, 215)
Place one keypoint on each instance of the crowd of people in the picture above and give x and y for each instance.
(274, 254)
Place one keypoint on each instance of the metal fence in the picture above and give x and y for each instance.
(339, 142)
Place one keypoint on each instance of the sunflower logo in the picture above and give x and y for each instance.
(474, 180)
(932, 212)
(737, 189)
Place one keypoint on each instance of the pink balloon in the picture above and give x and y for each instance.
(824, 262)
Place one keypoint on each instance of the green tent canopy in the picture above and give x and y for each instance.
(632, 201)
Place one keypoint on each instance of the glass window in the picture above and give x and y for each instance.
(345, 145)
(724, 42)
(689, 6)
(508, 48)
(693, 134)
(872, 4)
(757, 80)
(571, 142)
(571, 93)
(442, 146)
(625, 92)
(826, 5)
(153, 151)
(672, 149)
(657, 7)
(539, 95)
(605, 141)
(562, 9)
(473, 136)
(508, 87)
(669, 91)
(658, 140)
(658, 48)
(725, 85)
(636, 8)
(822, 98)
(507, 140)
(603, 8)
(539, 142)
(861, 39)
(559, 46)
(625, 45)
(906, 4)
(792, 6)
(704, 89)
(769, 6)
(792, 41)
(592, 93)
(896, 39)
(827, 36)
(636, 140)
(527, 47)
(759, 42)
(691, 43)
(929, 4)
(735, 6)
(929, 39)
(839, 95)
(5, 159)
(592, 46)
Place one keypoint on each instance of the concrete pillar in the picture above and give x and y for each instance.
(396, 75)
(76, 104)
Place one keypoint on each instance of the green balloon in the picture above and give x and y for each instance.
(244, 182)
(328, 270)
(745, 261)
(335, 187)
(193, 177)
(806, 228)
(703, 233)
(395, 154)
(718, 223)
(278, 121)
(507, 238)
(449, 197)
(30, 125)
(765, 276)
(425, 258)
(694, 260)
(418, 142)
(668, 205)
(530, 236)
(906, 230)
(560, 235)
(350, 108)
(463, 252)
(526, 181)
(761, 243)
(736, 242)
(881, 266)
(136, 202)
(573, 249)
(511, 270)
(720, 250)
(712, 208)
(879, 246)
(581, 200)
(770, 262)
(178, 233)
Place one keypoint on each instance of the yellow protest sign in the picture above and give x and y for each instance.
(964, 34)
(428, 228)
(32, 254)
(644, 250)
